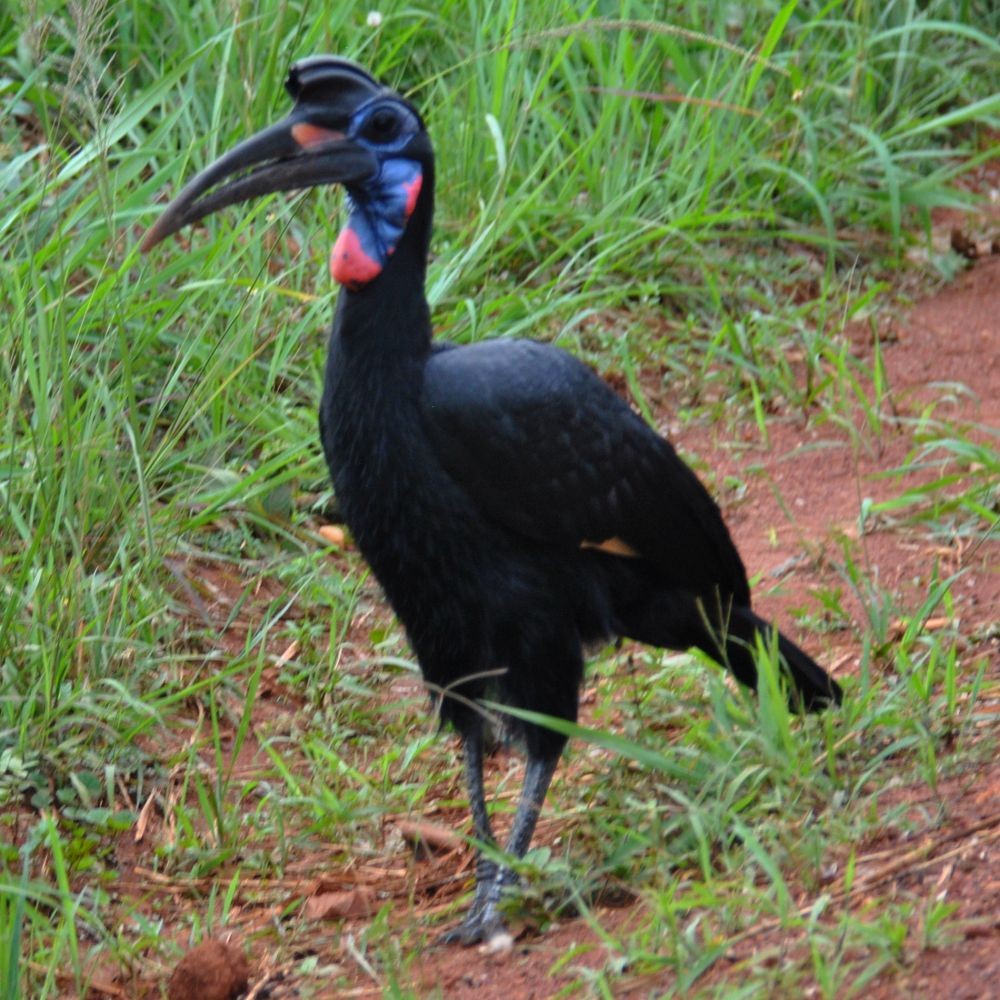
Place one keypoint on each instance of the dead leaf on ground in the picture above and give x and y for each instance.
(430, 836)
(142, 823)
(359, 902)
(334, 534)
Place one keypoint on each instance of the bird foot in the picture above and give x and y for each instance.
(482, 925)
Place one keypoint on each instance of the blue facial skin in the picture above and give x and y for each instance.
(379, 211)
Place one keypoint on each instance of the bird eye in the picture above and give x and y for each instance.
(381, 126)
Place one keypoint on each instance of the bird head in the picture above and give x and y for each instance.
(345, 128)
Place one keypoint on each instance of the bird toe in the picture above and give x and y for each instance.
(479, 927)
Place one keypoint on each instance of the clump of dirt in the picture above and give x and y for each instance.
(214, 970)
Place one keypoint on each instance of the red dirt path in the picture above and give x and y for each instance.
(805, 491)
(801, 504)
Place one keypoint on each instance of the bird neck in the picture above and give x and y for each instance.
(387, 320)
(380, 341)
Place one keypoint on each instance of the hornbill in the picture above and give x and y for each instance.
(513, 508)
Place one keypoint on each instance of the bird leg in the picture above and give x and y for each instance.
(486, 868)
(483, 921)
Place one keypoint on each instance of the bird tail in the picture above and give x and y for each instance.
(812, 688)
(729, 634)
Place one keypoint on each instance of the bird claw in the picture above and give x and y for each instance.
(482, 925)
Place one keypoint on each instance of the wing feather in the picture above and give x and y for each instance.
(543, 446)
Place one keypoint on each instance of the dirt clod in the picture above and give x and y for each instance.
(964, 245)
(214, 970)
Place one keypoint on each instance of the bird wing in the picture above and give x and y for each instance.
(544, 447)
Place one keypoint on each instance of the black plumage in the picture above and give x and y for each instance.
(512, 507)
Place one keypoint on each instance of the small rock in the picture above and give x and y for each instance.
(214, 970)
(500, 944)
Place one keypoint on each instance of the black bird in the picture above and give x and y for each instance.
(513, 508)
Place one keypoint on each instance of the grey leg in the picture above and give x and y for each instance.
(486, 868)
(484, 921)
(473, 748)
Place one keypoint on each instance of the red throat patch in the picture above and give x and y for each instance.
(349, 264)
(379, 212)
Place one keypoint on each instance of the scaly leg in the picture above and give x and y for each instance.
(484, 921)
(486, 869)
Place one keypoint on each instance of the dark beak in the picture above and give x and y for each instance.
(292, 155)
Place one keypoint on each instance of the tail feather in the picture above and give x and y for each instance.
(676, 620)
(812, 687)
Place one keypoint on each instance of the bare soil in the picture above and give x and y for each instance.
(805, 488)
(807, 484)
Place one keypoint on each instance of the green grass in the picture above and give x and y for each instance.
(705, 193)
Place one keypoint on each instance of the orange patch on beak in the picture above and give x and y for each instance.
(307, 135)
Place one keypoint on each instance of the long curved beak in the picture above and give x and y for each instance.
(291, 155)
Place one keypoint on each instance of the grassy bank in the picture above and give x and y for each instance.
(711, 199)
